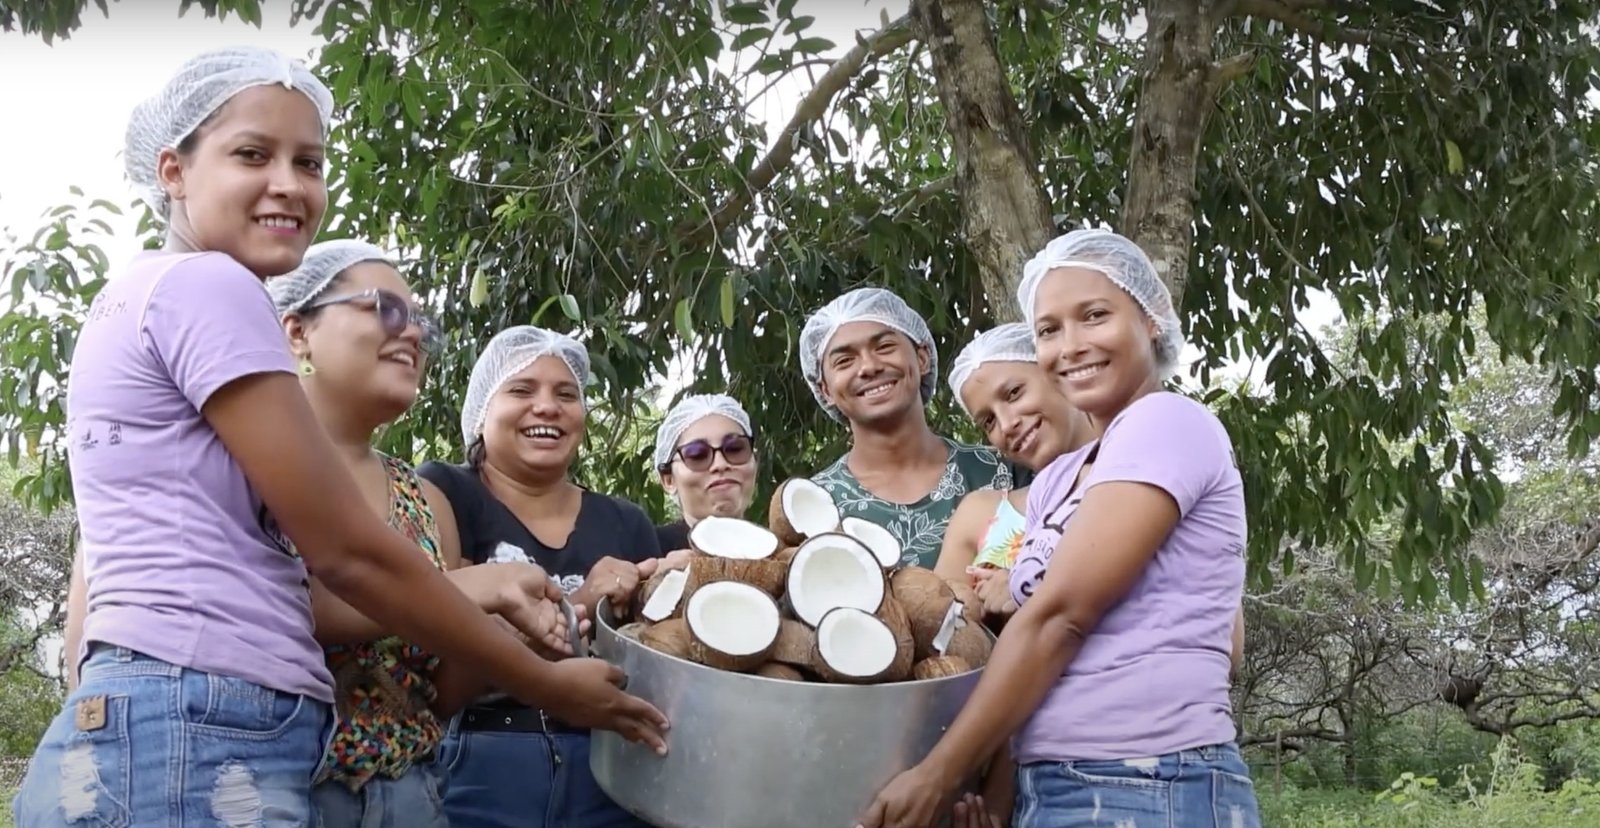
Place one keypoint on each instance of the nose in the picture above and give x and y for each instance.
(544, 405)
(284, 181)
(870, 365)
(1010, 424)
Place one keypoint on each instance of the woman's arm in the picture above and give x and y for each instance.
(77, 610)
(964, 532)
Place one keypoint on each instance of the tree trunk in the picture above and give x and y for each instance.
(1177, 89)
(1005, 212)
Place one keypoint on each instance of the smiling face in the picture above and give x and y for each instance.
(249, 182)
(1023, 413)
(716, 486)
(358, 362)
(1096, 340)
(535, 421)
(873, 373)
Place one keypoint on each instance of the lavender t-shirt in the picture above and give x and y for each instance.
(1152, 678)
(183, 561)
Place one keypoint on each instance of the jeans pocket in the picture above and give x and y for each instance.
(1233, 801)
(82, 771)
(232, 708)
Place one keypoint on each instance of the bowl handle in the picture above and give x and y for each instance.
(580, 647)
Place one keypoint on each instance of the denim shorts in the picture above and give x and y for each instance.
(213, 751)
(414, 800)
(1206, 787)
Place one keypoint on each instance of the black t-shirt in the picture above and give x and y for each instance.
(673, 536)
(606, 527)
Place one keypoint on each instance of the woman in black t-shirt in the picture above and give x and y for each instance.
(705, 454)
(523, 419)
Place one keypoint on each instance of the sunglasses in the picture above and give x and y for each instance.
(394, 314)
(697, 455)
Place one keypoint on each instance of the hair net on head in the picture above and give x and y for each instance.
(323, 263)
(200, 87)
(1011, 342)
(510, 352)
(863, 305)
(691, 410)
(1125, 264)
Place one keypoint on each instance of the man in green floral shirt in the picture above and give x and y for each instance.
(870, 361)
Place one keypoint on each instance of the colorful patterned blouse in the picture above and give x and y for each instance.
(1003, 537)
(383, 688)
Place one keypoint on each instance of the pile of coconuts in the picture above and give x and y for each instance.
(810, 597)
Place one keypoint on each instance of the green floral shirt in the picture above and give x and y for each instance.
(919, 526)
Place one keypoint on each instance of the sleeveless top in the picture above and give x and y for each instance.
(1003, 538)
(383, 688)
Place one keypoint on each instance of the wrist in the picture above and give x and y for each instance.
(945, 771)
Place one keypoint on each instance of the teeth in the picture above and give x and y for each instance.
(548, 432)
(1086, 371)
(404, 359)
(279, 221)
(878, 390)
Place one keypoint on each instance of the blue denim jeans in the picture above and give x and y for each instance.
(501, 779)
(213, 751)
(414, 800)
(1207, 787)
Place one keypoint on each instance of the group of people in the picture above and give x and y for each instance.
(309, 631)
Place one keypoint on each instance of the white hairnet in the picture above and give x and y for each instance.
(691, 410)
(1011, 342)
(863, 305)
(199, 88)
(1126, 265)
(510, 352)
(323, 263)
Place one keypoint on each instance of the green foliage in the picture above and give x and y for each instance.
(51, 19)
(612, 182)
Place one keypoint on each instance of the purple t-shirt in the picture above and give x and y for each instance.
(182, 559)
(1152, 677)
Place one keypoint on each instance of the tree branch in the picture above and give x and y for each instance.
(1292, 15)
(1228, 70)
(811, 108)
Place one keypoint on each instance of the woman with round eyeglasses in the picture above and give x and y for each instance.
(361, 349)
(705, 454)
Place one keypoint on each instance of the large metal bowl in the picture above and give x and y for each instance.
(752, 752)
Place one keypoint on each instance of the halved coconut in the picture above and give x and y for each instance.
(801, 509)
(884, 545)
(939, 667)
(733, 626)
(670, 636)
(796, 643)
(782, 672)
(662, 596)
(855, 647)
(765, 575)
(927, 599)
(834, 570)
(726, 537)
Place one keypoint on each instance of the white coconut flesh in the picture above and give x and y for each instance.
(855, 643)
(885, 547)
(831, 572)
(666, 597)
(726, 537)
(809, 507)
(733, 618)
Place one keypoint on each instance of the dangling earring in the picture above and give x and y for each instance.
(305, 367)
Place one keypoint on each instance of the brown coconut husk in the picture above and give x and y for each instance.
(926, 598)
(780, 671)
(893, 614)
(939, 667)
(778, 520)
(766, 575)
(671, 637)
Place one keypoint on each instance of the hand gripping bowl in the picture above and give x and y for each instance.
(752, 752)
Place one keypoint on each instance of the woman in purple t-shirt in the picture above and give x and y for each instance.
(1112, 678)
(201, 474)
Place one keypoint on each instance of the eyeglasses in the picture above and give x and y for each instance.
(394, 313)
(697, 455)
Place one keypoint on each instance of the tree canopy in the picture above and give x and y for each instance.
(596, 167)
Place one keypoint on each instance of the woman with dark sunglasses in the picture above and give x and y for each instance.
(361, 349)
(705, 454)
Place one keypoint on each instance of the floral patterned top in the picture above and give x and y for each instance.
(919, 526)
(383, 688)
(1003, 537)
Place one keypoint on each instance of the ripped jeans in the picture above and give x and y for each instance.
(213, 751)
(1206, 787)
